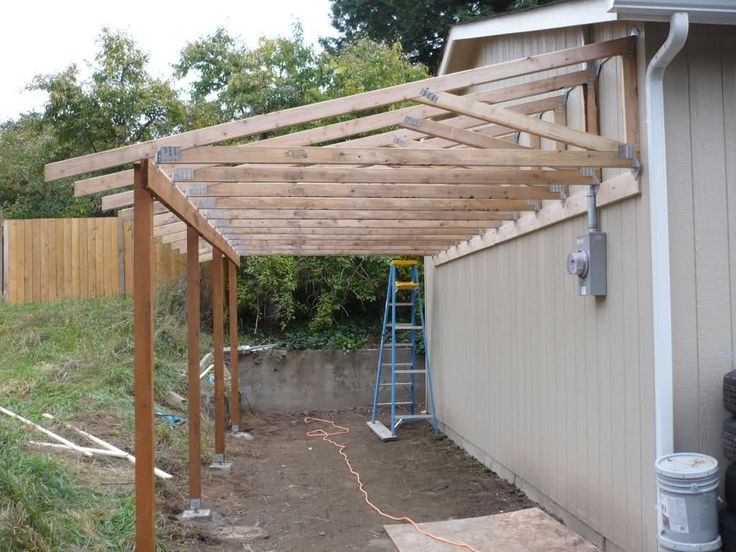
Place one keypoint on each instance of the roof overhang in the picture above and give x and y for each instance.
(455, 171)
(574, 13)
(712, 12)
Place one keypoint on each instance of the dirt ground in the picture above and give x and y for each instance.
(290, 493)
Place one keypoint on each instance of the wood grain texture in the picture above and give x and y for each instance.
(351, 104)
(145, 485)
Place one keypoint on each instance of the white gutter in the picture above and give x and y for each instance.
(660, 237)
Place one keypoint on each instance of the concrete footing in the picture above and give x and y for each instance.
(219, 463)
(201, 515)
(241, 434)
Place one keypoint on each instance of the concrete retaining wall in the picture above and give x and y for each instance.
(289, 381)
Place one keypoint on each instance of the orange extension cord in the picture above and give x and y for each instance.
(340, 448)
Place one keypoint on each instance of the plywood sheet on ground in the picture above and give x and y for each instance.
(529, 530)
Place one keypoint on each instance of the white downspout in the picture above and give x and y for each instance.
(660, 237)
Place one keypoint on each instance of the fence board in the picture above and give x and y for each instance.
(52, 259)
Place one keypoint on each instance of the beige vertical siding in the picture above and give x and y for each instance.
(700, 107)
(555, 391)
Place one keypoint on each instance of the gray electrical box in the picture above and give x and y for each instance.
(588, 263)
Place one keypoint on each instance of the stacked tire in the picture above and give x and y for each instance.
(728, 437)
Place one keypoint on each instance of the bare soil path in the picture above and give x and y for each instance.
(291, 493)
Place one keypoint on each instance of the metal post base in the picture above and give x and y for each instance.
(196, 512)
(219, 463)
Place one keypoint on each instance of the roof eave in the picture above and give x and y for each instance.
(712, 12)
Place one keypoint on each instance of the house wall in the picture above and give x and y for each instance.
(552, 390)
(700, 114)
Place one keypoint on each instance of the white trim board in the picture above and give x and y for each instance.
(611, 191)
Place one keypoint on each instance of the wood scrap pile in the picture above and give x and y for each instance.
(105, 448)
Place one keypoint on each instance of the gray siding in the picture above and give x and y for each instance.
(554, 391)
(700, 105)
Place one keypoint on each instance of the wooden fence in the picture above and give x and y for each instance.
(44, 260)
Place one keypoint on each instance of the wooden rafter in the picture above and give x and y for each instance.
(332, 108)
(162, 188)
(389, 156)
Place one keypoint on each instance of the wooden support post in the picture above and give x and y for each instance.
(145, 487)
(590, 90)
(218, 346)
(193, 394)
(630, 82)
(232, 275)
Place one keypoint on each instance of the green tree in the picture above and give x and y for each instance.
(121, 103)
(26, 144)
(419, 25)
(367, 65)
(231, 81)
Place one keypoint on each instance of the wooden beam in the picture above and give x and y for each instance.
(278, 225)
(309, 137)
(611, 191)
(340, 106)
(386, 175)
(630, 83)
(145, 485)
(326, 214)
(167, 229)
(507, 117)
(458, 135)
(434, 157)
(413, 235)
(297, 203)
(300, 251)
(116, 201)
(158, 209)
(367, 190)
(193, 368)
(161, 187)
(234, 369)
(425, 191)
(218, 349)
(103, 183)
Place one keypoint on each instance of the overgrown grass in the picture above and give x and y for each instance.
(74, 359)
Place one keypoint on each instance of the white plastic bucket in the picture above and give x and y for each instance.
(687, 487)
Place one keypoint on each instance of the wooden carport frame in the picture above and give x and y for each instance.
(452, 178)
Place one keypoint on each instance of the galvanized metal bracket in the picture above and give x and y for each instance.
(413, 121)
(628, 151)
(168, 154)
(431, 96)
(206, 202)
(560, 189)
(536, 204)
(196, 190)
(399, 141)
(182, 174)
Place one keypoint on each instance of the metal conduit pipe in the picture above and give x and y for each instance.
(593, 222)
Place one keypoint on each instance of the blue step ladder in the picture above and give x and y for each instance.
(402, 376)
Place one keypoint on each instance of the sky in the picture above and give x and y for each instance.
(45, 36)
